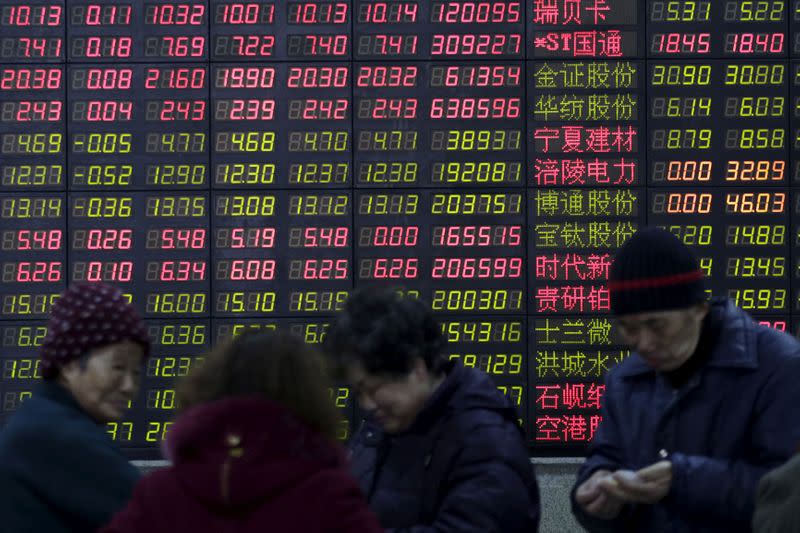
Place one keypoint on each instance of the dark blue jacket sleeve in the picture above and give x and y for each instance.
(725, 490)
(605, 453)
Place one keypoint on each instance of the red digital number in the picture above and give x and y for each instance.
(394, 76)
(318, 77)
(395, 268)
(394, 236)
(41, 111)
(188, 238)
(108, 79)
(253, 45)
(476, 44)
(38, 271)
(38, 239)
(175, 78)
(182, 271)
(30, 79)
(252, 270)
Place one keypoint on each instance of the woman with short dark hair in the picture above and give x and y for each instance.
(440, 448)
(253, 449)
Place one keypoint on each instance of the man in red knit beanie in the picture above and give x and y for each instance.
(59, 470)
(706, 403)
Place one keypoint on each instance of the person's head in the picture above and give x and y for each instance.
(95, 345)
(390, 349)
(274, 366)
(658, 295)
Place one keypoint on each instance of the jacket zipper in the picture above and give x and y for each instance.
(382, 452)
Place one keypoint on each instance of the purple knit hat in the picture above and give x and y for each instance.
(89, 316)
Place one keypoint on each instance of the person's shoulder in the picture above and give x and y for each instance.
(775, 345)
(42, 424)
(38, 419)
(772, 350)
(740, 332)
(41, 429)
(476, 413)
(469, 420)
(630, 366)
(475, 421)
(485, 433)
(774, 357)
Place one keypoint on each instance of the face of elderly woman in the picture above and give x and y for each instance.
(106, 381)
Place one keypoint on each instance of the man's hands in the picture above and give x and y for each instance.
(605, 493)
(596, 500)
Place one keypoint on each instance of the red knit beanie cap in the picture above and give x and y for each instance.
(88, 316)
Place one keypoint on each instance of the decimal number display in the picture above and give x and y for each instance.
(248, 163)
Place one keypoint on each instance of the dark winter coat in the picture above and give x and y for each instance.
(778, 500)
(462, 467)
(734, 420)
(59, 470)
(246, 465)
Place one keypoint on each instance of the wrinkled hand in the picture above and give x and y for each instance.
(596, 500)
(648, 485)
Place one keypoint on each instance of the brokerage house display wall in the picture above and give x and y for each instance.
(236, 164)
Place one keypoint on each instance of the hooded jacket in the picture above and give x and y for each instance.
(247, 465)
(734, 420)
(461, 467)
(59, 470)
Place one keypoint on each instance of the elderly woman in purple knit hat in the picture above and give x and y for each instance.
(59, 470)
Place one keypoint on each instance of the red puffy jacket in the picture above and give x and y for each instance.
(247, 465)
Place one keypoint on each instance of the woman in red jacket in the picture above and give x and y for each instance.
(253, 450)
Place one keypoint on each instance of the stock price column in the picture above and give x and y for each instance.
(32, 254)
(32, 251)
(309, 101)
(792, 237)
(389, 232)
(717, 134)
(481, 250)
(32, 142)
(32, 161)
(133, 126)
(474, 146)
(585, 132)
